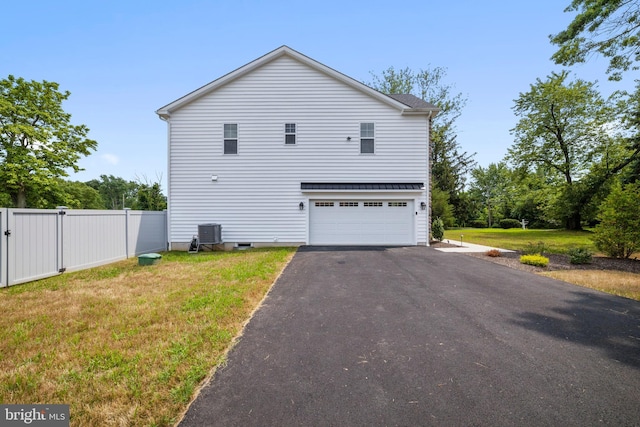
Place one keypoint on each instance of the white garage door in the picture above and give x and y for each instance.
(358, 222)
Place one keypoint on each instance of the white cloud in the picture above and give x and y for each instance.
(110, 158)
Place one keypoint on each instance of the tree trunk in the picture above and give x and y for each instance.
(19, 198)
(574, 222)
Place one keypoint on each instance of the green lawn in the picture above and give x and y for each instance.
(555, 241)
(128, 345)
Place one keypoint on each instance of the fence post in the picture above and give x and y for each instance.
(167, 245)
(10, 231)
(60, 238)
(4, 254)
(126, 231)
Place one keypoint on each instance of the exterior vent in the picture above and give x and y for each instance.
(210, 234)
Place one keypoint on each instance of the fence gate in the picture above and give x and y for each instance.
(34, 242)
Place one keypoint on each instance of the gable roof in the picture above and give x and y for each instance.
(406, 105)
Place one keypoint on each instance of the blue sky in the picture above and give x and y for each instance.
(122, 60)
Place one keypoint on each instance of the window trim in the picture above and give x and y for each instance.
(294, 133)
(368, 138)
(230, 139)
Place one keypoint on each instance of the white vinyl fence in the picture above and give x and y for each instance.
(38, 243)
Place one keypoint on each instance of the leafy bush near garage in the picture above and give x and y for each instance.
(579, 256)
(536, 260)
(437, 229)
(510, 223)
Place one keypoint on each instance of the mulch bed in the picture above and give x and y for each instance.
(556, 262)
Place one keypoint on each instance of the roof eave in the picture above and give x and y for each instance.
(431, 112)
(164, 114)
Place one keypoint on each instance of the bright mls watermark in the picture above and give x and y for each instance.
(34, 415)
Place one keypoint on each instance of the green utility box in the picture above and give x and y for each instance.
(149, 259)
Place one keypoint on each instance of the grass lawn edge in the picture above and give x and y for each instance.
(234, 341)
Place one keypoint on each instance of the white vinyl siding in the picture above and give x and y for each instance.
(257, 194)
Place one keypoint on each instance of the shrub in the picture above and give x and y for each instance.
(537, 260)
(437, 229)
(477, 223)
(510, 223)
(534, 248)
(618, 234)
(580, 256)
(493, 253)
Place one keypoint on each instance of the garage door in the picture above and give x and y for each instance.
(361, 222)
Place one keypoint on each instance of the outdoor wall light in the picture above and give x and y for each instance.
(423, 206)
(348, 138)
(301, 206)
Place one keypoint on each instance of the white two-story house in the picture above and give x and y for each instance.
(287, 151)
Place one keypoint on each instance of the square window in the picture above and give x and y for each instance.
(366, 130)
(230, 131)
(366, 146)
(230, 146)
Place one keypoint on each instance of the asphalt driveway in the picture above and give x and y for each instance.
(413, 336)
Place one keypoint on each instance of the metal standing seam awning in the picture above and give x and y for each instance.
(362, 186)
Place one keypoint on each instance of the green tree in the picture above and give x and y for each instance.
(631, 122)
(78, 195)
(610, 28)
(149, 196)
(467, 209)
(37, 141)
(441, 208)
(618, 233)
(449, 164)
(568, 129)
(5, 199)
(115, 191)
(492, 185)
(532, 194)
